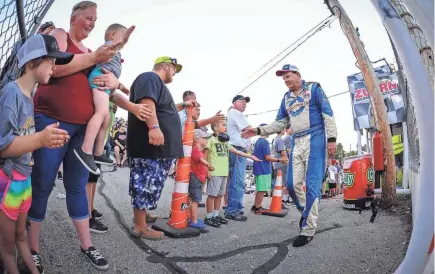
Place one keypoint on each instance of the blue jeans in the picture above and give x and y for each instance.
(46, 164)
(236, 185)
(108, 147)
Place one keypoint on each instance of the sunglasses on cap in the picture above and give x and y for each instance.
(173, 60)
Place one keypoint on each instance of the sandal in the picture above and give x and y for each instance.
(148, 233)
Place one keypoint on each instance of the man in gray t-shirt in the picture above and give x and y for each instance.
(16, 112)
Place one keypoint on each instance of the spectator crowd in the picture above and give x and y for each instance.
(57, 120)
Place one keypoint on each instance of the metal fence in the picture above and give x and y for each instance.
(426, 53)
(18, 20)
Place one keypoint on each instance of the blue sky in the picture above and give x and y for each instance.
(221, 43)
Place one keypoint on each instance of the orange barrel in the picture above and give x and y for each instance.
(358, 174)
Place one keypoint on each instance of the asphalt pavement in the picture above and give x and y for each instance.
(346, 242)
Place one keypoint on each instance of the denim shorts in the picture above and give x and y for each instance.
(195, 188)
(94, 73)
(147, 178)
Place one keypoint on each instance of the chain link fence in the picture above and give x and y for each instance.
(426, 53)
(16, 15)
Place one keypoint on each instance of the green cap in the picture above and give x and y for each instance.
(167, 59)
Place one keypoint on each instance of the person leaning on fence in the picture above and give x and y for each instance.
(18, 140)
(67, 98)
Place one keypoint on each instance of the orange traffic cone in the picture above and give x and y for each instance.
(275, 208)
(177, 227)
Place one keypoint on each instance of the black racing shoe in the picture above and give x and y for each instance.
(96, 258)
(302, 240)
(212, 222)
(87, 160)
(103, 160)
(96, 214)
(221, 220)
(97, 227)
(37, 260)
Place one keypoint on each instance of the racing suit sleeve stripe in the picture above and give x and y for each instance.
(282, 111)
(327, 114)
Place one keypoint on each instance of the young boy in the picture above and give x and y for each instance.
(99, 123)
(217, 154)
(263, 171)
(37, 56)
(332, 179)
(198, 177)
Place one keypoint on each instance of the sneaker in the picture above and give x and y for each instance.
(103, 160)
(253, 208)
(96, 226)
(259, 210)
(59, 176)
(284, 207)
(212, 222)
(199, 224)
(88, 161)
(221, 220)
(96, 258)
(237, 217)
(37, 260)
(96, 214)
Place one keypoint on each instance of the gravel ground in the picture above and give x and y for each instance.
(346, 242)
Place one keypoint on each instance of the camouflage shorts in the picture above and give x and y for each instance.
(147, 178)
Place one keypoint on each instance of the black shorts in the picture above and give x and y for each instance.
(94, 178)
(332, 185)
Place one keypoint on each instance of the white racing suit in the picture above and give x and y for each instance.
(310, 116)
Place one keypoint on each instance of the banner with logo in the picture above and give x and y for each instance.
(361, 106)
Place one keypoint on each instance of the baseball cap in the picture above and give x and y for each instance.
(241, 97)
(40, 45)
(287, 68)
(167, 59)
(201, 133)
(46, 25)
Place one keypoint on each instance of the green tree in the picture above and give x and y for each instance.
(340, 154)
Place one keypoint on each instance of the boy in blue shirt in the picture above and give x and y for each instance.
(263, 171)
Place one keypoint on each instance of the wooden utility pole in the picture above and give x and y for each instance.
(379, 109)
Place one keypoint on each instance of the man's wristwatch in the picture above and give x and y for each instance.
(183, 105)
(155, 127)
(278, 160)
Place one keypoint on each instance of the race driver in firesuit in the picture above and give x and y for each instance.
(306, 108)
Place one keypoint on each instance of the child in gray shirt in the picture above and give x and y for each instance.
(99, 123)
(18, 140)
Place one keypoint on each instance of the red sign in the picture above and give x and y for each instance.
(386, 86)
